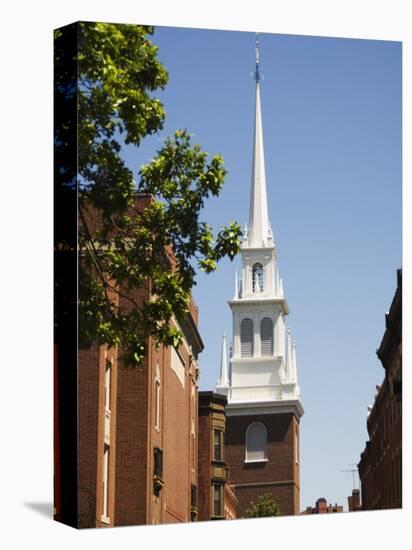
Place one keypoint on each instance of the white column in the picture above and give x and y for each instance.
(223, 379)
(294, 369)
(289, 358)
(236, 335)
(282, 336)
(256, 335)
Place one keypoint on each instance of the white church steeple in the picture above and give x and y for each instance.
(258, 229)
(263, 371)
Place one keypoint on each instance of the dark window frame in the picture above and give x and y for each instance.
(158, 462)
(218, 444)
(217, 504)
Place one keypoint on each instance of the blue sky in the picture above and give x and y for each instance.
(332, 132)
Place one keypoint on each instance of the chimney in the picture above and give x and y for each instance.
(321, 506)
(354, 501)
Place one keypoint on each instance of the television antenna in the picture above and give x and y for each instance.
(352, 470)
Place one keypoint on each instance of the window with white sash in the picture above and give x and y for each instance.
(256, 442)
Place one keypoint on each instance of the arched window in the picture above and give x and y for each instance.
(266, 337)
(257, 277)
(256, 438)
(246, 338)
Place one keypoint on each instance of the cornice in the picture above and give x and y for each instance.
(238, 303)
(267, 407)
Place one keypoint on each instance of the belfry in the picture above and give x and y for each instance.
(264, 402)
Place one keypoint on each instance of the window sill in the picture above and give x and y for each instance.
(255, 461)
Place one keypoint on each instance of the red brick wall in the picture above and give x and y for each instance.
(277, 476)
(137, 437)
(131, 436)
(296, 466)
(131, 445)
(88, 415)
(179, 412)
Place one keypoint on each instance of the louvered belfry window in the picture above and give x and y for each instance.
(266, 337)
(256, 442)
(246, 338)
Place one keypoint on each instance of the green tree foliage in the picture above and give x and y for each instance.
(263, 506)
(118, 71)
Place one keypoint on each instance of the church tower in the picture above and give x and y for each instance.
(264, 406)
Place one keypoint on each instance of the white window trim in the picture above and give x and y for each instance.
(177, 365)
(157, 402)
(263, 459)
(107, 384)
(106, 465)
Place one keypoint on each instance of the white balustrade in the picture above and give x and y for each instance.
(240, 394)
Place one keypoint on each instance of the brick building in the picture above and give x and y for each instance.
(264, 401)
(137, 464)
(216, 499)
(322, 507)
(380, 466)
(136, 445)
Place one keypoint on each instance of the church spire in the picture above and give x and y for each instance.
(258, 230)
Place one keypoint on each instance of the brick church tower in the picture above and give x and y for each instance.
(264, 406)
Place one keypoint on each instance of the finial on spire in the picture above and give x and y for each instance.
(258, 76)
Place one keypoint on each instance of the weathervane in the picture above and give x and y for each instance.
(258, 75)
